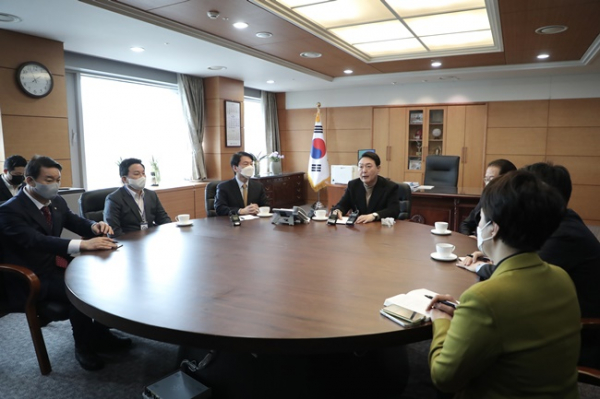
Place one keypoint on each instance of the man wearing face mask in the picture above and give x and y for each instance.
(30, 227)
(240, 195)
(13, 178)
(132, 207)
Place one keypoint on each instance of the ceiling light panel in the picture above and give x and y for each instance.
(387, 30)
(455, 22)
(412, 8)
(345, 12)
(378, 31)
(459, 40)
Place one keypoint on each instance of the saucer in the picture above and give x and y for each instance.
(180, 224)
(445, 233)
(318, 219)
(451, 257)
(264, 215)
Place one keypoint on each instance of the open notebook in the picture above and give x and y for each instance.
(414, 300)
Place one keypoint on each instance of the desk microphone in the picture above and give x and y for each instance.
(235, 218)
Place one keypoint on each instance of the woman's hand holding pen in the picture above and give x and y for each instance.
(442, 307)
(473, 258)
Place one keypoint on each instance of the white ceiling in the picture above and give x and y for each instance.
(97, 32)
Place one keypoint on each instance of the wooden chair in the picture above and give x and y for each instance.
(589, 375)
(49, 311)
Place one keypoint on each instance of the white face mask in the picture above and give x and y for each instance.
(248, 171)
(480, 239)
(46, 191)
(137, 184)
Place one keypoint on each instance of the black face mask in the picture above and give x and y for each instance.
(16, 180)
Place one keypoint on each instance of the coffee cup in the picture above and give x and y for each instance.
(321, 213)
(184, 218)
(264, 210)
(444, 250)
(441, 227)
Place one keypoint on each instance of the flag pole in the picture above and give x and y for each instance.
(318, 204)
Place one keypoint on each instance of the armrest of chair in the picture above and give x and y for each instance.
(590, 323)
(33, 283)
(588, 375)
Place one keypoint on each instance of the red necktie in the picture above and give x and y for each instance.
(60, 261)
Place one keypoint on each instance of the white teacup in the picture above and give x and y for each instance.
(184, 218)
(264, 210)
(321, 213)
(441, 227)
(444, 250)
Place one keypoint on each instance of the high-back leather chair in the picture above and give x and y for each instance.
(405, 201)
(91, 203)
(209, 198)
(38, 313)
(441, 170)
(589, 375)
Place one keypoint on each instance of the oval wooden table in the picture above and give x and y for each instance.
(265, 288)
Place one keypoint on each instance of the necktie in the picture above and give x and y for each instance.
(245, 189)
(60, 261)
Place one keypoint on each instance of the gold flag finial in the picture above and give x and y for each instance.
(318, 118)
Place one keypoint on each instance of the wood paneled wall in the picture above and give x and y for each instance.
(346, 130)
(34, 126)
(565, 132)
(217, 154)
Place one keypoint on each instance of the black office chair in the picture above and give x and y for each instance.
(209, 198)
(38, 313)
(91, 203)
(405, 201)
(589, 375)
(441, 170)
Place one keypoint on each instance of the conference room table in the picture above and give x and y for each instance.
(265, 288)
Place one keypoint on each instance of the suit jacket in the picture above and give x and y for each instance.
(385, 199)
(27, 239)
(468, 226)
(123, 215)
(574, 248)
(5, 193)
(229, 197)
(515, 335)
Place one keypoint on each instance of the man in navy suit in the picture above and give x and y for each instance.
(373, 196)
(13, 177)
(133, 207)
(30, 227)
(230, 193)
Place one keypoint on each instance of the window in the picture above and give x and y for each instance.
(254, 127)
(125, 119)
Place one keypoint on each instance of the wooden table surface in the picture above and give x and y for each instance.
(265, 288)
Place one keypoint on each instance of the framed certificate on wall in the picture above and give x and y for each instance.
(233, 127)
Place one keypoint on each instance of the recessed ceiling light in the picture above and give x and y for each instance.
(8, 18)
(264, 35)
(543, 56)
(137, 49)
(217, 67)
(551, 29)
(310, 54)
(270, 81)
(436, 64)
(240, 25)
(348, 71)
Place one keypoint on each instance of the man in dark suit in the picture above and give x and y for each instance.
(132, 207)
(230, 193)
(30, 228)
(13, 177)
(373, 196)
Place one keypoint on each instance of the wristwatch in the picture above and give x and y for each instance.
(376, 215)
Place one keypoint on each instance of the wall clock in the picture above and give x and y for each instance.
(34, 79)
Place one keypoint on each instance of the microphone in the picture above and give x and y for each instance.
(235, 218)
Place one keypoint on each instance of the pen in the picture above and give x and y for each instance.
(451, 304)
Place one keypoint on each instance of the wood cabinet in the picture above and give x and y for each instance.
(425, 136)
(444, 204)
(284, 190)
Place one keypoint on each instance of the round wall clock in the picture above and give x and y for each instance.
(34, 79)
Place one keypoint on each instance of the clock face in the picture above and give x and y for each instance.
(34, 79)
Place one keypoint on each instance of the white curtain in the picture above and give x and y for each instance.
(269, 107)
(191, 92)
